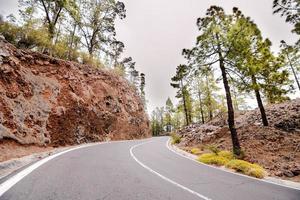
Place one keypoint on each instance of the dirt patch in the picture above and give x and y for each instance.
(10, 149)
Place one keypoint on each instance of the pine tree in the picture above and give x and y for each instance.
(212, 47)
(249, 55)
(209, 88)
(290, 9)
(199, 94)
(292, 57)
(276, 81)
(205, 88)
(52, 11)
(189, 103)
(179, 83)
(157, 121)
(142, 88)
(169, 113)
(254, 63)
(178, 117)
(96, 23)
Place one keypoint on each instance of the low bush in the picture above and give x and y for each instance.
(195, 151)
(175, 138)
(227, 159)
(226, 154)
(213, 159)
(246, 168)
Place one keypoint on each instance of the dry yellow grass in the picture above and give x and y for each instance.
(226, 158)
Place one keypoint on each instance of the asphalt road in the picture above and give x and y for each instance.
(137, 170)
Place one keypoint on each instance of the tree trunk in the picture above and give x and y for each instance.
(201, 106)
(190, 116)
(259, 102)
(231, 124)
(294, 72)
(57, 35)
(210, 109)
(51, 31)
(71, 42)
(234, 137)
(184, 105)
(210, 113)
(92, 42)
(91, 51)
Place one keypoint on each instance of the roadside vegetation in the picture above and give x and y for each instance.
(227, 159)
(246, 168)
(196, 151)
(175, 138)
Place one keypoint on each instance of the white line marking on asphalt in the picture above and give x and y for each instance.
(19, 176)
(249, 177)
(161, 176)
(5, 186)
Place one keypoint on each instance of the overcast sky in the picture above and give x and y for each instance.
(155, 32)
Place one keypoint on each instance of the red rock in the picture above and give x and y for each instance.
(40, 107)
(39, 62)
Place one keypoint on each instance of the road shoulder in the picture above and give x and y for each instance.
(272, 180)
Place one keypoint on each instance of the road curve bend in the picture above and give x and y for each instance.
(136, 170)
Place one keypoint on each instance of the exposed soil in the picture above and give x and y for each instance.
(276, 148)
(10, 149)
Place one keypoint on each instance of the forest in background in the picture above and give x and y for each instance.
(231, 51)
(76, 30)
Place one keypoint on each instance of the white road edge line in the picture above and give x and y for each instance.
(249, 177)
(6, 185)
(161, 176)
(19, 176)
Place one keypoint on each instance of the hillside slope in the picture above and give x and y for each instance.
(276, 148)
(47, 101)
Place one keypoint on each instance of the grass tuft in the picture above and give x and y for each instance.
(213, 159)
(195, 151)
(226, 154)
(227, 159)
(175, 138)
(246, 168)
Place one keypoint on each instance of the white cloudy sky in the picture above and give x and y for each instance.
(155, 32)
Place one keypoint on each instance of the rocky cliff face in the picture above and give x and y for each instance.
(44, 100)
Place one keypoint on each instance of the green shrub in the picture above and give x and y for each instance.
(175, 138)
(246, 168)
(226, 158)
(213, 159)
(90, 60)
(195, 151)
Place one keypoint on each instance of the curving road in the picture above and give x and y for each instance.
(136, 170)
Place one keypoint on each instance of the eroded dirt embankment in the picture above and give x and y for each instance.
(276, 148)
(50, 102)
